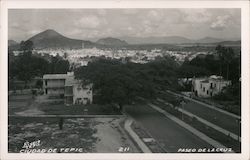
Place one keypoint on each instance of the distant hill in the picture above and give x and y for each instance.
(170, 40)
(157, 40)
(109, 41)
(230, 43)
(209, 40)
(52, 39)
(12, 43)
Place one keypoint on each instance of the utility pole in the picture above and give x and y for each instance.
(182, 107)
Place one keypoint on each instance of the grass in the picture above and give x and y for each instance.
(210, 132)
(22, 102)
(92, 109)
(229, 106)
(76, 133)
(18, 103)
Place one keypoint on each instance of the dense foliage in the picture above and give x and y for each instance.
(26, 65)
(121, 83)
(225, 63)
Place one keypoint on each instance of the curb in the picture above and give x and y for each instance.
(135, 137)
(206, 105)
(199, 134)
(224, 131)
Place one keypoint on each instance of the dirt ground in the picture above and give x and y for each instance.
(95, 135)
(112, 138)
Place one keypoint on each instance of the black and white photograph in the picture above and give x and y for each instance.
(124, 80)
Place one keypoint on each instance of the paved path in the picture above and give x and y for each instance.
(189, 128)
(207, 112)
(165, 131)
(207, 105)
(135, 137)
(226, 132)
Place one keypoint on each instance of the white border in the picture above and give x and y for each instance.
(244, 5)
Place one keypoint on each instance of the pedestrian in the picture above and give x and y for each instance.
(61, 123)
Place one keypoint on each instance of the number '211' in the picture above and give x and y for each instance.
(123, 149)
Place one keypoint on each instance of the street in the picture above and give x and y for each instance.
(213, 116)
(218, 118)
(168, 133)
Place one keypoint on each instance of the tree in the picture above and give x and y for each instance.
(224, 62)
(228, 59)
(26, 66)
(58, 65)
(226, 56)
(24, 61)
(116, 82)
(39, 83)
(65, 55)
(26, 45)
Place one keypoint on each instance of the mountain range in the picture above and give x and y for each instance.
(52, 39)
(112, 42)
(170, 40)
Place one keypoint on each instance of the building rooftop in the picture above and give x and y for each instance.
(55, 76)
(71, 81)
(58, 76)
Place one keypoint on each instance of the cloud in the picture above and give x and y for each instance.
(196, 15)
(89, 21)
(220, 23)
(35, 31)
(83, 23)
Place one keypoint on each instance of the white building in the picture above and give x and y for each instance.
(53, 84)
(209, 86)
(76, 92)
(66, 86)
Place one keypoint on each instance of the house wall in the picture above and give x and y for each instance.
(196, 86)
(54, 82)
(73, 93)
(81, 95)
(54, 86)
(55, 91)
(210, 88)
(204, 91)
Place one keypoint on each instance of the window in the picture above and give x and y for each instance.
(201, 85)
(68, 90)
(211, 85)
(46, 82)
(203, 89)
(207, 92)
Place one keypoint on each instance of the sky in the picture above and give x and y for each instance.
(88, 24)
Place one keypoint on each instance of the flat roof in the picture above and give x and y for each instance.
(71, 81)
(55, 76)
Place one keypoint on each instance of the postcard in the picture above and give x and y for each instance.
(125, 80)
